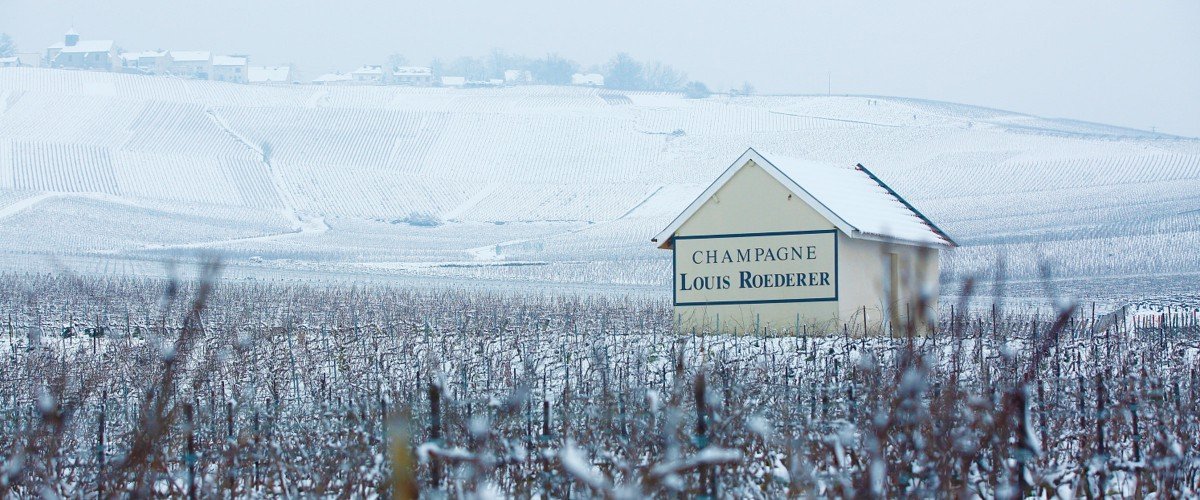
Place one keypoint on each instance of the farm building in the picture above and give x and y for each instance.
(192, 63)
(269, 75)
(229, 68)
(412, 75)
(155, 62)
(82, 54)
(787, 243)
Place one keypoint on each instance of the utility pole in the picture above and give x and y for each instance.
(828, 85)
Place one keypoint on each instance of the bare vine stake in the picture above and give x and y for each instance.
(707, 484)
(190, 459)
(231, 443)
(435, 432)
(100, 446)
(1101, 418)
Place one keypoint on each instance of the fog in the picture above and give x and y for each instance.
(1130, 64)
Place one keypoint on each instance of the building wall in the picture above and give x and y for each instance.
(236, 74)
(865, 270)
(192, 68)
(754, 202)
(85, 60)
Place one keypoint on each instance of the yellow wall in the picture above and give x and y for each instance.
(865, 272)
(753, 202)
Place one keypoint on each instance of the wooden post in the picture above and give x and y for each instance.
(435, 432)
(190, 458)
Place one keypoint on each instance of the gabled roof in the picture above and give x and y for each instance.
(268, 74)
(368, 70)
(851, 197)
(333, 77)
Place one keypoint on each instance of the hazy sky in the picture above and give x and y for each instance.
(1134, 63)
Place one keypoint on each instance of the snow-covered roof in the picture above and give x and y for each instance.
(145, 53)
(517, 75)
(333, 77)
(368, 70)
(413, 70)
(228, 61)
(454, 81)
(191, 55)
(10, 60)
(589, 79)
(84, 46)
(268, 74)
(851, 197)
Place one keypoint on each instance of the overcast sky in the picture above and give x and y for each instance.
(1134, 64)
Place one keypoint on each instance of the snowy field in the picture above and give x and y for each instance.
(546, 186)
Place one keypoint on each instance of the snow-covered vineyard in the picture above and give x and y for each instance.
(542, 184)
(149, 387)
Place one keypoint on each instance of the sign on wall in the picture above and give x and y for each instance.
(756, 268)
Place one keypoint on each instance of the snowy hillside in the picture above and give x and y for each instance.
(541, 184)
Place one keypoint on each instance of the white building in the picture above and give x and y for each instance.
(154, 62)
(334, 79)
(229, 69)
(82, 54)
(10, 62)
(368, 75)
(412, 75)
(269, 75)
(517, 76)
(588, 80)
(454, 81)
(783, 243)
(191, 63)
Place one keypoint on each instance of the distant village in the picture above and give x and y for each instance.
(74, 52)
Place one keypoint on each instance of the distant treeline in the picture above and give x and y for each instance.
(622, 71)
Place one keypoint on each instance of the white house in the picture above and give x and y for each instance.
(368, 75)
(412, 75)
(149, 61)
(269, 75)
(82, 54)
(10, 62)
(229, 69)
(192, 63)
(588, 80)
(782, 243)
(454, 81)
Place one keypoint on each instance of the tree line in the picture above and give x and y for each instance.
(622, 71)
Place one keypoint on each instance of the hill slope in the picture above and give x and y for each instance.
(544, 183)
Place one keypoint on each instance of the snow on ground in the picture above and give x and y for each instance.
(538, 184)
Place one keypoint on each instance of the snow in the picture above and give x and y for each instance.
(413, 70)
(368, 71)
(574, 179)
(855, 197)
(228, 61)
(589, 79)
(454, 81)
(333, 77)
(191, 55)
(268, 74)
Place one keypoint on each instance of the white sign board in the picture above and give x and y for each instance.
(756, 268)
